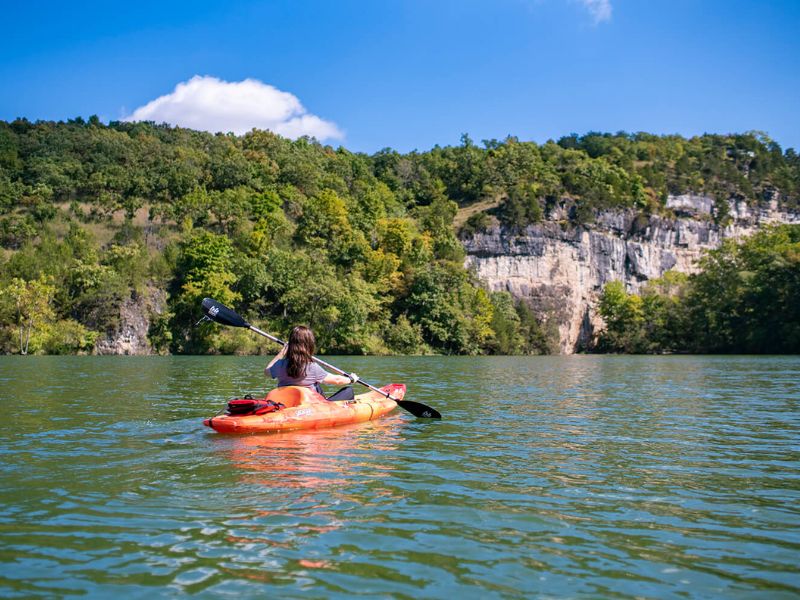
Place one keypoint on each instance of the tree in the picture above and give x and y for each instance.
(437, 220)
(522, 207)
(454, 316)
(203, 270)
(746, 296)
(308, 232)
(506, 326)
(31, 302)
(324, 224)
(624, 317)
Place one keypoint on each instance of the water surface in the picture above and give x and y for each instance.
(581, 476)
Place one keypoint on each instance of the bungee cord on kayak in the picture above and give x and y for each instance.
(297, 403)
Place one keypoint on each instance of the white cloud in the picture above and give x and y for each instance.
(599, 9)
(211, 104)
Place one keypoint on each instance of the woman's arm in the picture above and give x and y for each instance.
(278, 356)
(340, 379)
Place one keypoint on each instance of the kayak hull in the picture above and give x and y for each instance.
(304, 409)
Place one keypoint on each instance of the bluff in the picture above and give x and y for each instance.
(130, 333)
(560, 269)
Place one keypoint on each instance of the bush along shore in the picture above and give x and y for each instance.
(112, 234)
(745, 299)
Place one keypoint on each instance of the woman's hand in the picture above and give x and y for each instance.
(332, 379)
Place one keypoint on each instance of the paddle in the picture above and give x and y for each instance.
(219, 313)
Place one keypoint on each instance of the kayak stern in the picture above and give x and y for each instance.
(304, 409)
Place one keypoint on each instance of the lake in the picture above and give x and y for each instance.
(582, 476)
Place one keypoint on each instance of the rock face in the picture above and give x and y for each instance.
(561, 269)
(135, 316)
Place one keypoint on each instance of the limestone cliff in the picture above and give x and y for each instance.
(561, 269)
(136, 313)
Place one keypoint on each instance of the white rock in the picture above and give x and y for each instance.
(561, 270)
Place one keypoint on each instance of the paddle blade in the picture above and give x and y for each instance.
(219, 313)
(418, 409)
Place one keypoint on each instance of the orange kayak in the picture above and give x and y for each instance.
(301, 408)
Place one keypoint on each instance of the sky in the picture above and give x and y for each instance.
(410, 74)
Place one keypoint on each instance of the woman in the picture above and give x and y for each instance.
(293, 365)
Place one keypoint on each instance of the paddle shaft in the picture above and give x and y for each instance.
(321, 362)
(219, 313)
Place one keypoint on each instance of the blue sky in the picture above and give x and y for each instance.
(411, 74)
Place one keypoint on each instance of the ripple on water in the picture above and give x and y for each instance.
(554, 476)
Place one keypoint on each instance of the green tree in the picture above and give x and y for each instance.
(31, 303)
(522, 207)
(203, 270)
(455, 317)
(404, 337)
(745, 297)
(324, 224)
(507, 335)
(437, 220)
(624, 317)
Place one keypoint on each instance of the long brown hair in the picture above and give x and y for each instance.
(299, 351)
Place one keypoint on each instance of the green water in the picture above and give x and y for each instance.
(549, 476)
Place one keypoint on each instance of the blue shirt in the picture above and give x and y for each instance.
(313, 376)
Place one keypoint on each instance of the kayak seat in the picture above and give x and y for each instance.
(290, 395)
(346, 393)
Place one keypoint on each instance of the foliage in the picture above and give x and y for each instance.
(522, 207)
(362, 248)
(203, 270)
(405, 337)
(453, 315)
(515, 329)
(538, 336)
(477, 222)
(69, 337)
(507, 338)
(747, 296)
(624, 318)
(30, 303)
(745, 299)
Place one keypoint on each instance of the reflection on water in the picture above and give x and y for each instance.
(313, 459)
(555, 476)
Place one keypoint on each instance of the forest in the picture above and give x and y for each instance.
(744, 300)
(363, 248)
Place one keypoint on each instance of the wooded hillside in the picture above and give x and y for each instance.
(360, 247)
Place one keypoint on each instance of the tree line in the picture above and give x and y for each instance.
(745, 299)
(360, 247)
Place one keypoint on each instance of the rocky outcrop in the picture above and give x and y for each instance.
(130, 337)
(561, 269)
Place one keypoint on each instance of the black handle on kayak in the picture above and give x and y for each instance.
(219, 313)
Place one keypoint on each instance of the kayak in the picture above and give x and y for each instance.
(291, 408)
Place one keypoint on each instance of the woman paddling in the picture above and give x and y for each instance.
(294, 365)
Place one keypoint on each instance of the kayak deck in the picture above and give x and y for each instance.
(305, 409)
